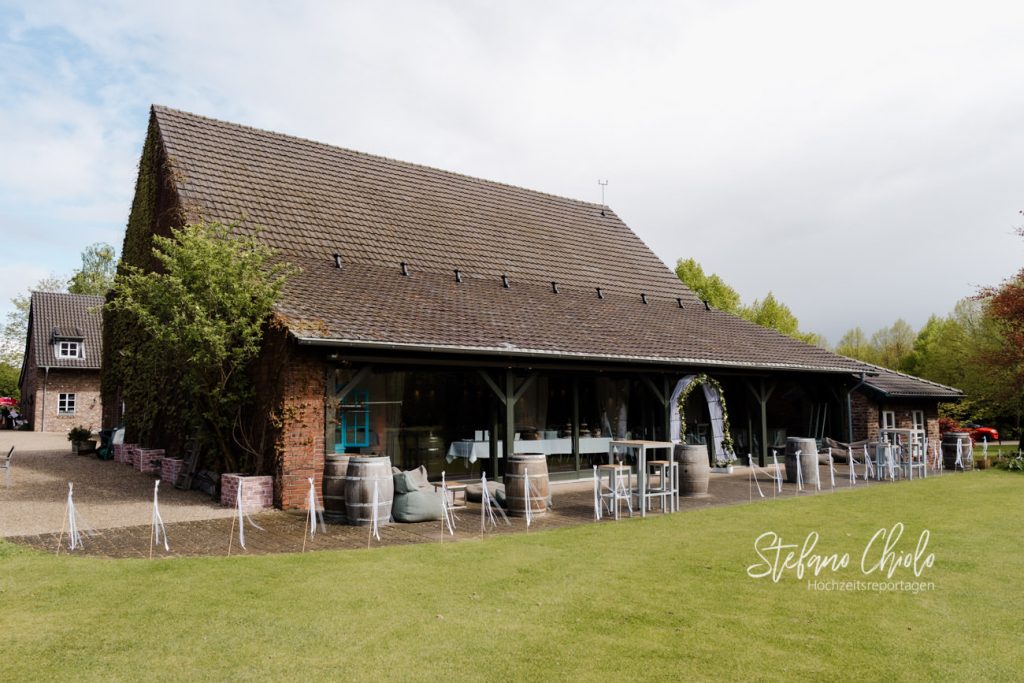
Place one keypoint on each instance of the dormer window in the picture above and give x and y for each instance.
(70, 349)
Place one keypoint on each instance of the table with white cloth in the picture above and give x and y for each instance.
(641, 448)
(477, 450)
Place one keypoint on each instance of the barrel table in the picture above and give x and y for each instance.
(694, 471)
(335, 470)
(364, 473)
(520, 469)
(808, 449)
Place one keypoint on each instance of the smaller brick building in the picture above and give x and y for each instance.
(896, 400)
(60, 375)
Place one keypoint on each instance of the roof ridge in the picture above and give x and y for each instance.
(381, 157)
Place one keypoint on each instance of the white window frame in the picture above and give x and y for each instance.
(66, 404)
(888, 419)
(918, 424)
(69, 349)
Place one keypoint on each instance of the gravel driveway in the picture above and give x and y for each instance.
(107, 494)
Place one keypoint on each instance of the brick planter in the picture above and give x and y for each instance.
(147, 460)
(123, 452)
(170, 468)
(257, 492)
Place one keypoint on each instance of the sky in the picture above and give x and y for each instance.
(860, 160)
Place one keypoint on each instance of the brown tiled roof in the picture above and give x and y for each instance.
(73, 317)
(311, 200)
(894, 384)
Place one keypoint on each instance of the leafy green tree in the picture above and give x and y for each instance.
(855, 344)
(9, 381)
(201, 321)
(710, 288)
(96, 276)
(894, 345)
(15, 329)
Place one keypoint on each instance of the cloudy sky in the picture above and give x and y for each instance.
(862, 160)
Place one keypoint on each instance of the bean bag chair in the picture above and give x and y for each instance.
(414, 500)
(475, 492)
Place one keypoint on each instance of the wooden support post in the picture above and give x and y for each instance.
(576, 422)
(762, 394)
(510, 416)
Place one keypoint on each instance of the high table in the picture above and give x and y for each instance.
(641, 448)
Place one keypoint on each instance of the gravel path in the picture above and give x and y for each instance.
(107, 494)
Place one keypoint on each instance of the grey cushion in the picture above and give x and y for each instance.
(418, 506)
(475, 492)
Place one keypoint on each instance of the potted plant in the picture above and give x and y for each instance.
(80, 441)
(723, 463)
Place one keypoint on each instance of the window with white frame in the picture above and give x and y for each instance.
(65, 404)
(70, 349)
(888, 419)
(917, 416)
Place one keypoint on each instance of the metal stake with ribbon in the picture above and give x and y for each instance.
(157, 530)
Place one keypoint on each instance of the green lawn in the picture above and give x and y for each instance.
(663, 598)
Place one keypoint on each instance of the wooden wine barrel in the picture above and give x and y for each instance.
(363, 472)
(949, 440)
(808, 460)
(335, 470)
(521, 466)
(694, 470)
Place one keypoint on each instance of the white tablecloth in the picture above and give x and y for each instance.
(476, 450)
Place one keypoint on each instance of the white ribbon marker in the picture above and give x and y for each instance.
(778, 474)
(74, 535)
(959, 455)
(597, 496)
(831, 469)
(243, 515)
(314, 514)
(159, 533)
(448, 512)
(799, 473)
(526, 490)
(375, 524)
(753, 473)
(488, 506)
(869, 467)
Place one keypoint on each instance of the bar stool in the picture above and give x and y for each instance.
(664, 488)
(619, 487)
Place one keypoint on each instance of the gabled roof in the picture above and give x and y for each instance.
(55, 316)
(310, 200)
(892, 384)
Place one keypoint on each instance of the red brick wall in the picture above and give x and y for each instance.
(867, 416)
(300, 445)
(85, 384)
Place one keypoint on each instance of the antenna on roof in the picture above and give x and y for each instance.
(707, 306)
(603, 184)
(337, 260)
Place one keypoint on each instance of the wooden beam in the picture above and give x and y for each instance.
(526, 385)
(662, 397)
(510, 417)
(493, 385)
(353, 383)
(576, 422)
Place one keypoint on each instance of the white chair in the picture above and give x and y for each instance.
(5, 465)
(619, 487)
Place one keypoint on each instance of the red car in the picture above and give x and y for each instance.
(979, 434)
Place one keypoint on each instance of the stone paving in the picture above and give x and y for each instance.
(196, 526)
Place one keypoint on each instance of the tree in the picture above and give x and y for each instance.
(893, 345)
(198, 323)
(96, 276)
(9, 381)
(710, 288)
(854, 344)
(12, 338)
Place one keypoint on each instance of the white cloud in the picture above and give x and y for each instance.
(859, 160)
